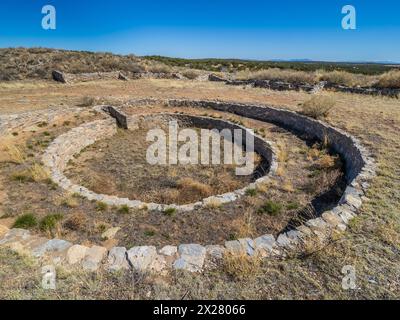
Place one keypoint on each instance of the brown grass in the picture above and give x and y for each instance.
(241, 266)
(389, 79)
(14, 154)
(39, 173)
(190, 187)
(277, 74)
(318, 106)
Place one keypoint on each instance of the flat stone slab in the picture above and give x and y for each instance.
(76, 254)
(169, 251)
(94, 256)
(191, 257)
(117, 259)
(141, 257)
(265, 245)
(54, 245)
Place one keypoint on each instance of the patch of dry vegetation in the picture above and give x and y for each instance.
(318, 106)
(390, 79)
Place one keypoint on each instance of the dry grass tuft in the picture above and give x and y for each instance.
(244, 225)
(14, 154)
(277, 74)
(241, 266)
(70, 202)
(318, 106)
(389, 79)
(326, 161)
(190, 74)
(86, 101)
(76, 221)
(213, 203)
(38, 173)
(192, 186)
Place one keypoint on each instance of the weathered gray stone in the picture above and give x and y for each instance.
(317, 224)
(353, 200)
(93, 258)
(234, 247)
(76, 254)
(169, 251)
(331, 218)
(265, 245)
(215, 252)
(283, 240)
(53, 245)
(15, 235)
(117, 259)
(248, 245)
(141, 257)
(192, 257)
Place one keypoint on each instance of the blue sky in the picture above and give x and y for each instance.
(253, 29)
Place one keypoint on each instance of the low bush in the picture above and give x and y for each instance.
(318, 106)
(25, 221)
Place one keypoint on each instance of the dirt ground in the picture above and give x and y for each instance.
(371, 244)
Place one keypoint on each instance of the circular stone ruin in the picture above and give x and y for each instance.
(65, 147)
(359, 170)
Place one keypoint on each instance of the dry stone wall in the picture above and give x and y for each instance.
(62, 150)
(360, 169)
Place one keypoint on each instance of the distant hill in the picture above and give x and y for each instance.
(254, 65)
(23, 63)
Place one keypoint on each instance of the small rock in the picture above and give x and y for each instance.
(117, 259)
(353, 200)
(169, 251)
(331, 218)
(192, 257)
(283, 240)
(58, 76)
(265, 245)
(110, 233)
(15, 235)
(54, 245)
(317, 224)
(94, 256)
(122, 77)
(234, 247)
(248, 245)
(141, 257)
(76, 253)
(214, 77)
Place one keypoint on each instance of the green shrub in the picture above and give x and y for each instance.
(169, 211)
(101, 206)
(25, 221)
(292, 206)
(270, 207)
(251, 192)
(49, 222)
(124, 209)
(149, 233)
